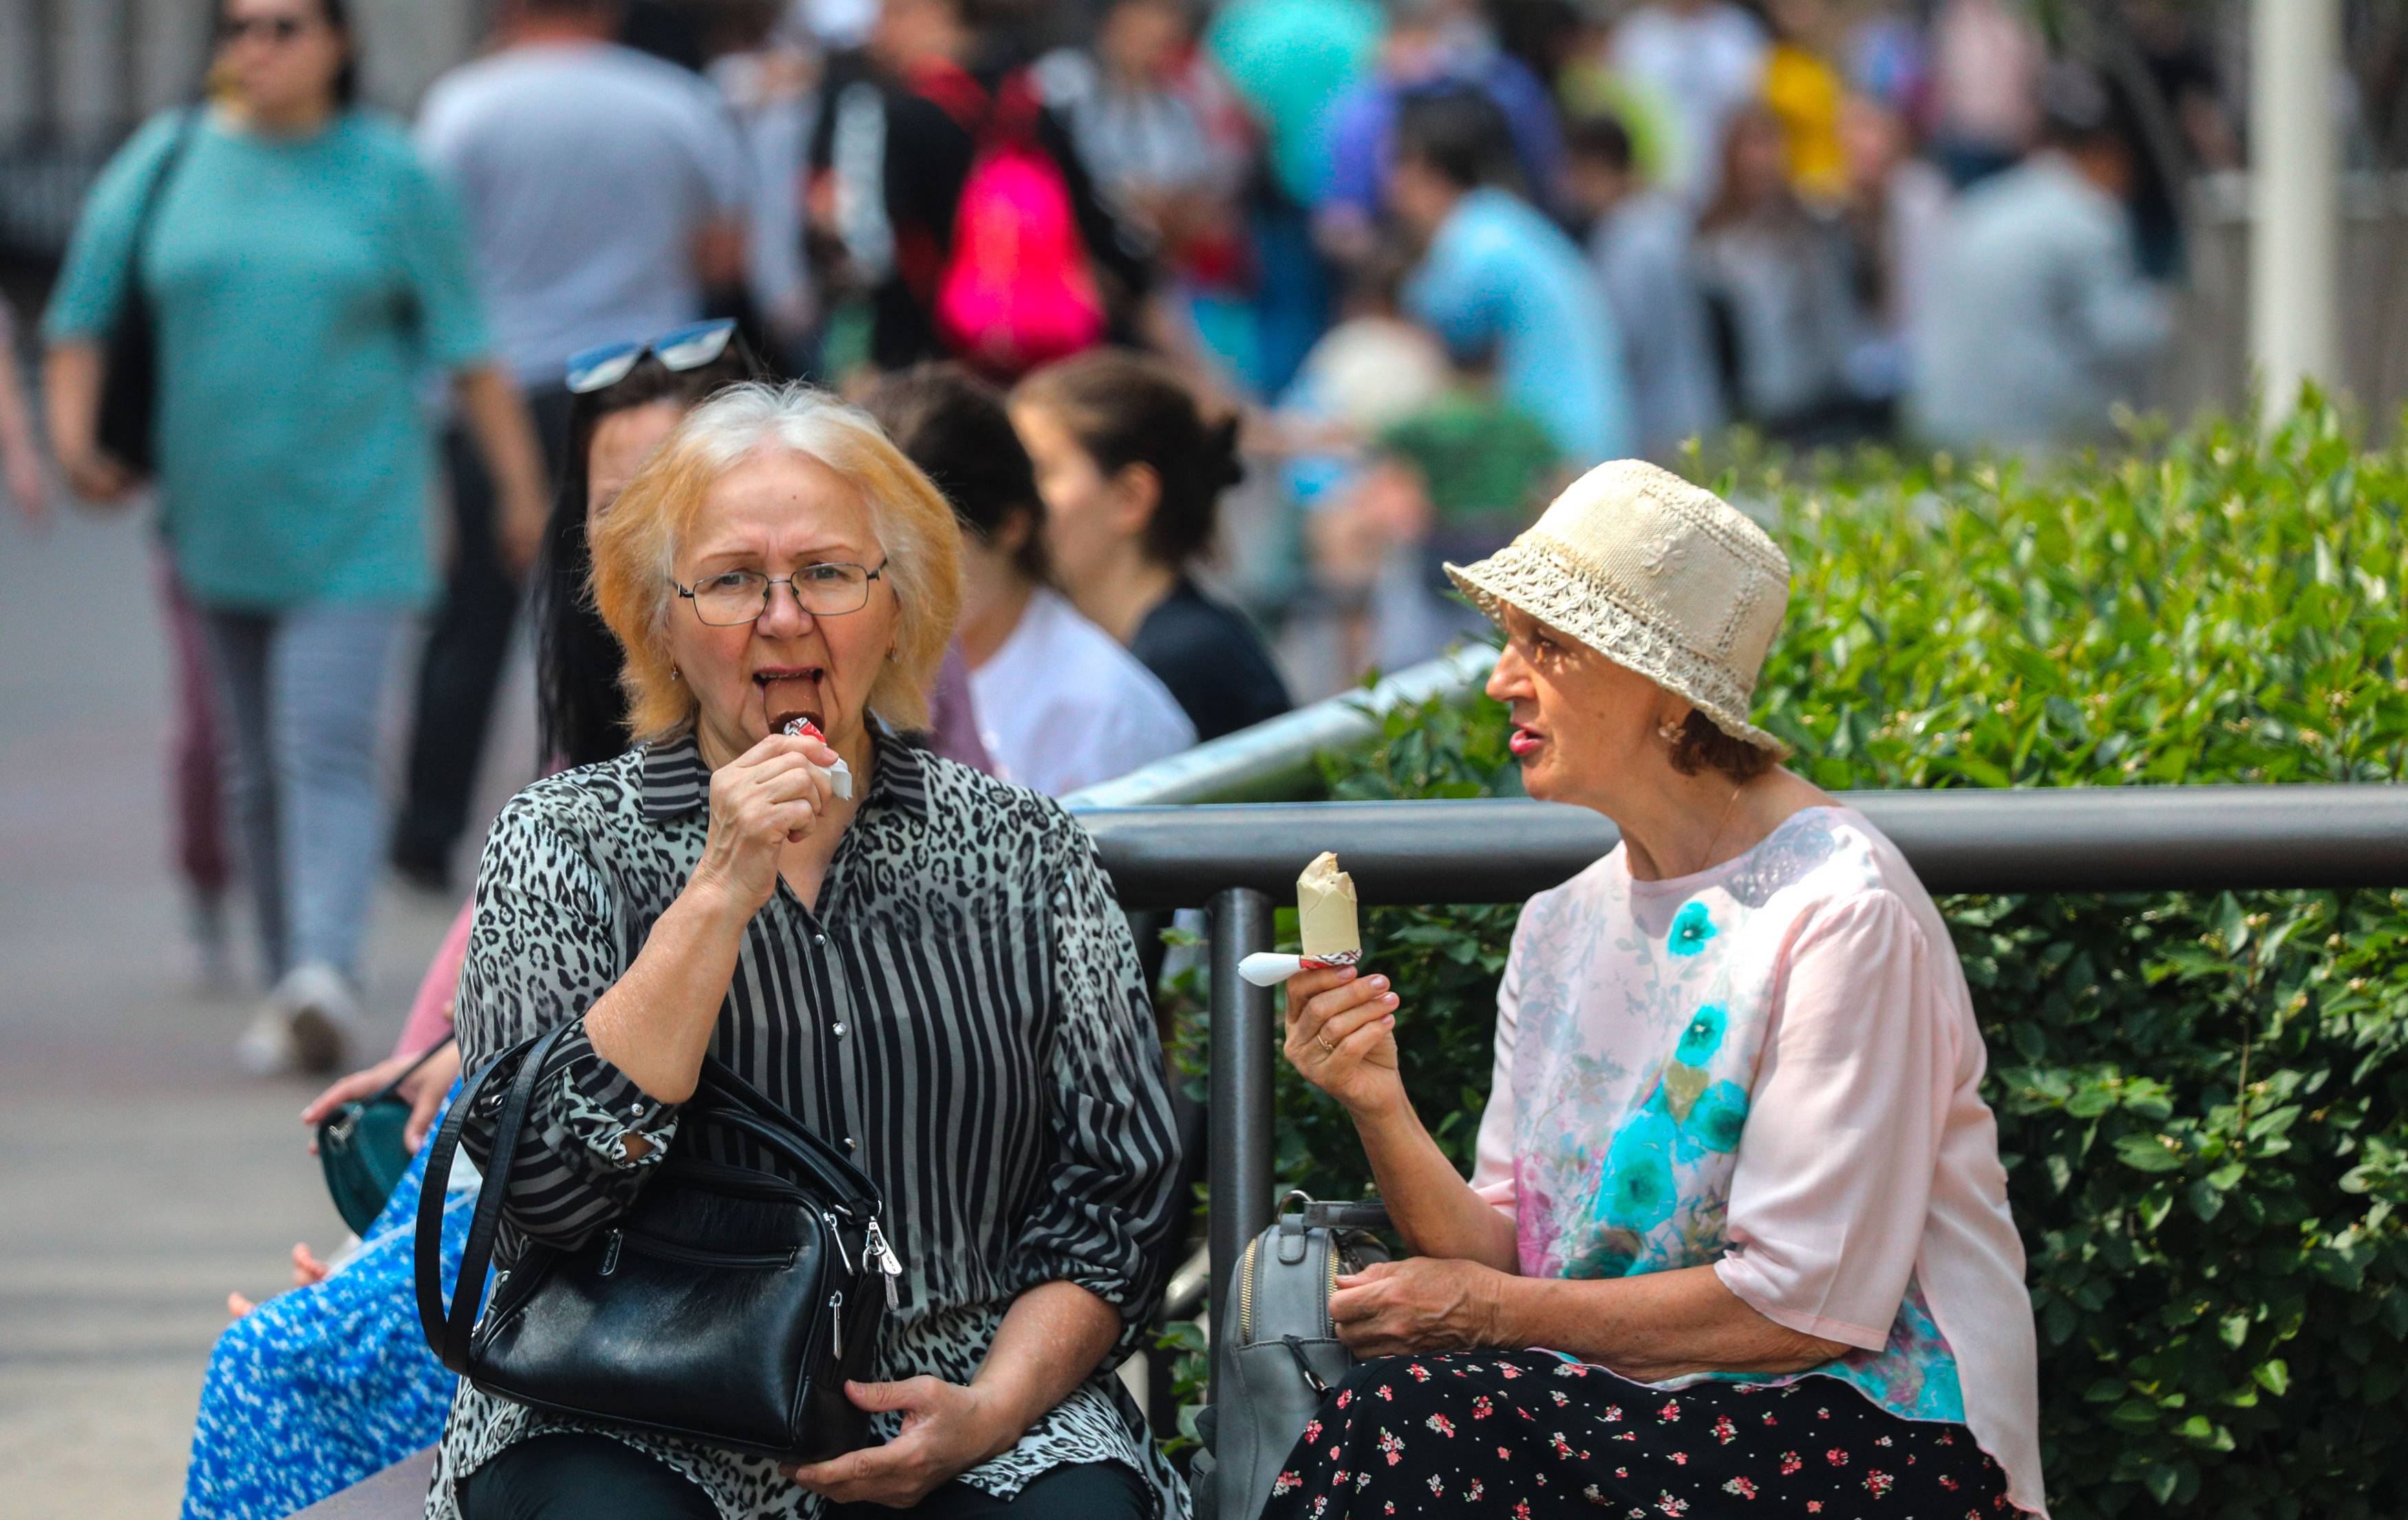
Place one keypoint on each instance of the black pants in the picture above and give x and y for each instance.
(466, 644)
(575, 1476)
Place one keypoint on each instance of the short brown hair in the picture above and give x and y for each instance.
(1703, 746)
(635, 545)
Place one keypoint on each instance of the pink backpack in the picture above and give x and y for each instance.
(1016, 291)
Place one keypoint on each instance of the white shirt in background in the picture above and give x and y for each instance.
(1705, 64)
(1061, 705)
(586, 170)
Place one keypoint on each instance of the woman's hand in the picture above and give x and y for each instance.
(1341, 1037)
(308, 1272)
(1422, 1303)
(947, 1430)
(96, 477)
(772, 796)
(422, 1089)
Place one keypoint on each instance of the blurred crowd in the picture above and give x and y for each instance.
(1286, 302)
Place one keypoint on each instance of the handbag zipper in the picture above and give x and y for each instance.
(888, 1267)
(1246, 1291)
(836, 1321)
(1329, 1253)
(671, 1250)
(837, 1236)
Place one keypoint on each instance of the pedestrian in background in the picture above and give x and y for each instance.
(1431, 46)
(303, 273)
(1703, 61)
(2040, 319)
(1131, 475)
(1497, 279)
(604, 192)
(1003, 270)
(1640, 241)
(1776, 275)
(1060, 706)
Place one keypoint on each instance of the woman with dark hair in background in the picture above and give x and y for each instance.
(1060, 705)
(1777, 280)
(301, 272)
(1131, 475)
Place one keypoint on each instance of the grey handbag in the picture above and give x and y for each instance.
(1279, 1353)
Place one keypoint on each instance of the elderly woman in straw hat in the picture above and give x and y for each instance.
(926, 967)
(1736, 1175)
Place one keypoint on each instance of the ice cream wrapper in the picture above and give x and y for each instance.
(840, 775)
(1325, 913)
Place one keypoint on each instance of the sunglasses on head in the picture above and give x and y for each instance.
(680, 349)
(274, 28)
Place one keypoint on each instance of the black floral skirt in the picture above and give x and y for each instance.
(1527, 1434)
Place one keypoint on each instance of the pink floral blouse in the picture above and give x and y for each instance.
(1773, 1068)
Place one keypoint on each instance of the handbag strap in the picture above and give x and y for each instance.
(153, 191)
(449, 1335)
(737, 1103)
(394, 1087)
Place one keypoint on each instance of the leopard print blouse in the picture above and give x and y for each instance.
(963, 1012)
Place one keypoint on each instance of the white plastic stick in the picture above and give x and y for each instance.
(1267, 968)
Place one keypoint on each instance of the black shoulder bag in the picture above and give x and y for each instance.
(128, 426)
(727, 1306)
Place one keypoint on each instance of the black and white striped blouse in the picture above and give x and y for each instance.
(963, 1012)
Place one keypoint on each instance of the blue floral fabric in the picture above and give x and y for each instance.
(317, 1388)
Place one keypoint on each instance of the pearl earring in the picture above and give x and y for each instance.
(1668, 732)
(674, 674)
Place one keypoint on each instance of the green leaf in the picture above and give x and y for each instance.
(2149, 1153)
(2274, 1376)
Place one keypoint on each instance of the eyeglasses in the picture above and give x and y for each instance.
(732, 597)
(273, 28)
(680, 349)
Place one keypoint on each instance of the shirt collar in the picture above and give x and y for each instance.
(676, 781)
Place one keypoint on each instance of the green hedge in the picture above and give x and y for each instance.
(2201, 1104)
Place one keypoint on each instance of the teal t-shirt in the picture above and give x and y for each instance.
(302, 290)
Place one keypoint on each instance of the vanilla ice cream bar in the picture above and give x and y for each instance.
(1324, 912)
(840, 775)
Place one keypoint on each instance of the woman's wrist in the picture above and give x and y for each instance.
(714, 900)
(1388, 1114)
(1001, 1417)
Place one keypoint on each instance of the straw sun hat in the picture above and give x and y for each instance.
(1659, 576)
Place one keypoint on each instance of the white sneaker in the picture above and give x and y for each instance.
(320, 1017)
(268, 1048)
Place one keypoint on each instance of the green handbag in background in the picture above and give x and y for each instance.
(361, 1148)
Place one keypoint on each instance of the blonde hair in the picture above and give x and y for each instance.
(635, 544)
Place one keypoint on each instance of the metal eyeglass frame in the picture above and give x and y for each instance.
(868, 575)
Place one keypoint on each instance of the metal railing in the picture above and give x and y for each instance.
(1273, 761)
(1239, 862)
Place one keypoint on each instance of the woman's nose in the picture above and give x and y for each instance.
(784, 615)
(1507, 678)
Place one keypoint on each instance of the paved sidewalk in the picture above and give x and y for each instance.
(142, 1177)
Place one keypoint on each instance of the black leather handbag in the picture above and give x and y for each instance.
(360, 1150)
(727, 1306)
(127, 428)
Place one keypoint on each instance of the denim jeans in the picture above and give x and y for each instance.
(299, 692)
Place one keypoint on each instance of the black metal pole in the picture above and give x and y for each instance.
(1242, 1051)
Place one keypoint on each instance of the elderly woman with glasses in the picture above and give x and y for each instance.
(1738, 1240)
(926, 967)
